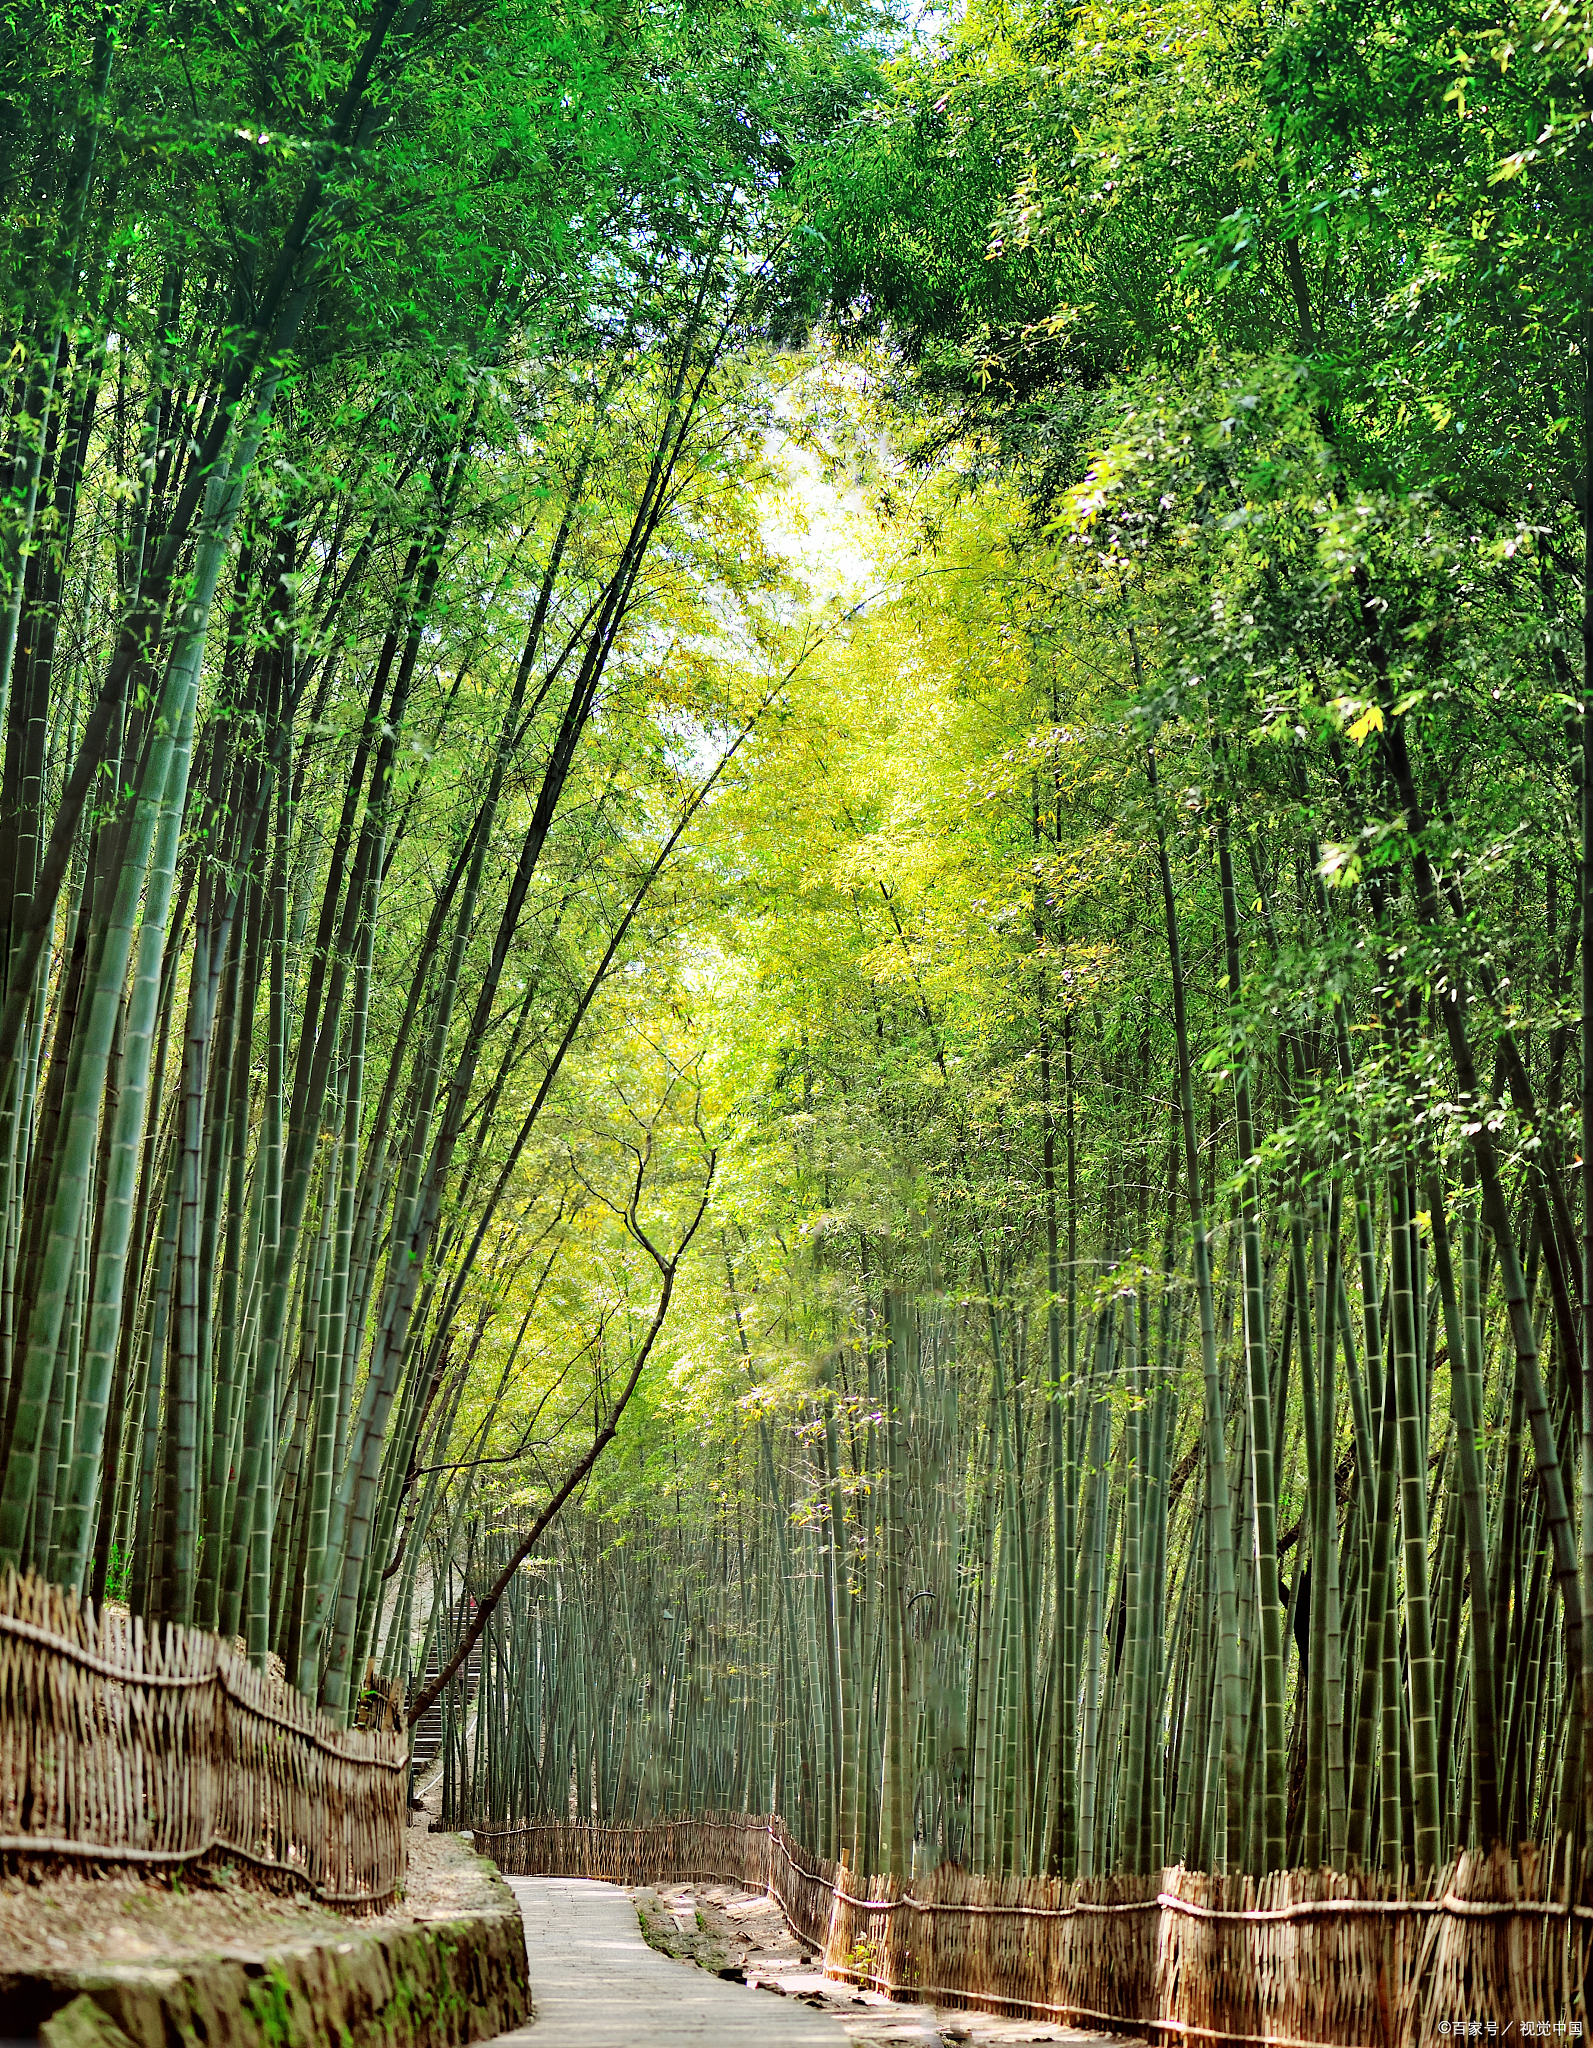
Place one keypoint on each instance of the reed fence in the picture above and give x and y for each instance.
(161, 1748)
(1495, 1949)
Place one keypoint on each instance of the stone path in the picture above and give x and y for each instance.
(597, 1984)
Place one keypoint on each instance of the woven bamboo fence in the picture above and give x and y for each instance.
(1495, 1949)
(162, 1749)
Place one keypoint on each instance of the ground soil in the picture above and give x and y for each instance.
(736, 1933)
(72, 1921)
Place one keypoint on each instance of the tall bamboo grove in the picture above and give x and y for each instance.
(373, 395)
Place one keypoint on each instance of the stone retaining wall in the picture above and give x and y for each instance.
(436, 1984)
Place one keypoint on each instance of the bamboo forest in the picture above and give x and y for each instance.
(796, 903)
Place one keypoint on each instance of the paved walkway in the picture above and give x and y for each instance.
(597, 1984)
